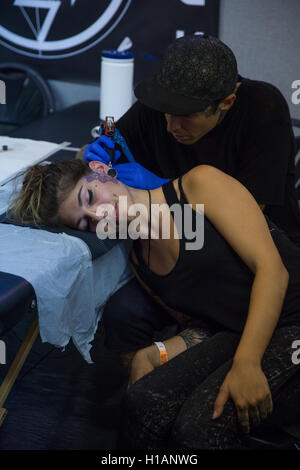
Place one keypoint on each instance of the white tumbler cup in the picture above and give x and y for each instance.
(116, 83)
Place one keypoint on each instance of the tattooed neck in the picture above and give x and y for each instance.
(221, 117)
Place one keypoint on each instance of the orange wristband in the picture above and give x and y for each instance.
(162, 352)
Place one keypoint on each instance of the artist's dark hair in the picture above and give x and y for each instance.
(44, 189)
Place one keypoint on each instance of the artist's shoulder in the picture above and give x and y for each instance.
(260, 88)
(263, 100)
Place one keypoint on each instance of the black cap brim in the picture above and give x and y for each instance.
(152, 94)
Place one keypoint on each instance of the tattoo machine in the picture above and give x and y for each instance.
(108, 129)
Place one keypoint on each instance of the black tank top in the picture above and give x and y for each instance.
(213, 283)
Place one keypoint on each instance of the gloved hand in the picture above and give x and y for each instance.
(135, 175)
(96, 151)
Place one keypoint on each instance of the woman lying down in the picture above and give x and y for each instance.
(243, 281)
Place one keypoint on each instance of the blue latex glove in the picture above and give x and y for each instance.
(135, 175)
(96, 151)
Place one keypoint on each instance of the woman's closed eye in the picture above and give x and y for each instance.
(90, 193)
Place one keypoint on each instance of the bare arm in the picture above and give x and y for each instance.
(237, 216)
(147, 359)
(177, 344)
(237, 201)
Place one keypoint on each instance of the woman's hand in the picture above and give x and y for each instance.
(144, 361)
(247, 386)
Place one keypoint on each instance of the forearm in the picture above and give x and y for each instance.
(266, 300)
(177, 344)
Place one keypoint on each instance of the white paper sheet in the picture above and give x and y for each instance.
(59, 267)
(23, 153)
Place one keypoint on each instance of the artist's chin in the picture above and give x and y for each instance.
(184, 140)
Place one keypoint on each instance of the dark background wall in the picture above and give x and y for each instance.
(264, 35)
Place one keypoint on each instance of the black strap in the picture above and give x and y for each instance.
(183, 198)
(170, 193)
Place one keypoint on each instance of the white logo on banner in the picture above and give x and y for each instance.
(2, 92)
(2, 352)
(198, 3)
(40, 26)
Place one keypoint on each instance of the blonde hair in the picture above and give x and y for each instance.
(44, 189)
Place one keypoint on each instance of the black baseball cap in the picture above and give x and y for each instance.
(196, 71)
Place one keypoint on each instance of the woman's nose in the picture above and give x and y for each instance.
(91, 212)
(101, 209)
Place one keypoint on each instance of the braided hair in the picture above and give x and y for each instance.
(44, 189)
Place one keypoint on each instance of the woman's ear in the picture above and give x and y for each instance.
(98, 167)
